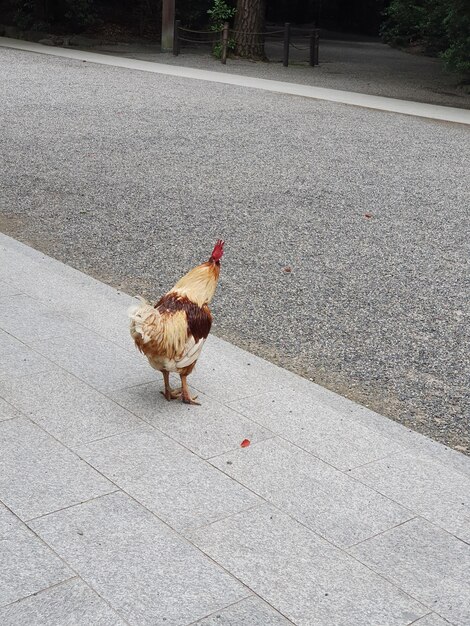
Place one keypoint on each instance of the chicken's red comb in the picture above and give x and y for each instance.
(218, 250)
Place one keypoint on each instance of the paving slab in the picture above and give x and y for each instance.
(110, 324)
(100, 307)
(71, 603)
(394, 430)
(250, 612)
(102, 364)
(427, 563)
(211, 430)
(7, 411)
(143, 569)
(431, 620)
(49, 282)
(167, 479)
(38, 475)
(422, 484)
(67, 408)
(18, 360)
(7, 289)
(28, 565)
(301, 575)
(29, 320)
(90, 423)
(232, 374)
(316, 427)
(326, 500)
(447, 456)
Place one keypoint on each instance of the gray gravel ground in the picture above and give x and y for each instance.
(131, 176)
(362, 66)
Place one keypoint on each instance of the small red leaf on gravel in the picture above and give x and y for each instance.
(245, 443)
(287, 270)
(368, 215)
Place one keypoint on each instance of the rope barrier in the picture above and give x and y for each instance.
(227, 37)
(242, 32)
(202, 32)
(199, 40)
(297, 47)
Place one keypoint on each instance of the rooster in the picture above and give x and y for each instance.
(171, 333)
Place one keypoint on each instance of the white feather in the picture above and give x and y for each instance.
(191, 352)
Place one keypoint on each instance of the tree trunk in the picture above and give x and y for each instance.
(249, 18)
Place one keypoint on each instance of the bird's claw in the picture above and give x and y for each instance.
(171, 394)
(189, 400)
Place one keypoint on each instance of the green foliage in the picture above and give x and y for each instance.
(79, 14)
(71, 14)
(457, 24)
(24, 16)
(441, 26)
(220, 13)
(192, 12)
(217, 47)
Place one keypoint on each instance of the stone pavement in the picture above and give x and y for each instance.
(120, 508)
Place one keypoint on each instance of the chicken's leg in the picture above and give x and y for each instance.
(187, 399)
(169, 393)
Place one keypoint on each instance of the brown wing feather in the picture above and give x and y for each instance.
(169, 328)
(199, 317)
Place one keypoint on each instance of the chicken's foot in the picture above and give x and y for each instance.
(186, 396)
(169, 393)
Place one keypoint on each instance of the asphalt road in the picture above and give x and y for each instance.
(131, 177)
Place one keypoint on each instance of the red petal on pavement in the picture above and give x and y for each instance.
(368, 215)
(245, 443)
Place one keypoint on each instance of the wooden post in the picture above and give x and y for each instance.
(176, 39)
(316, 45)
(223, 58)
(285, 60)
(168, 25)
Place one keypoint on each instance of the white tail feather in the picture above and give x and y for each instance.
(138, 314)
